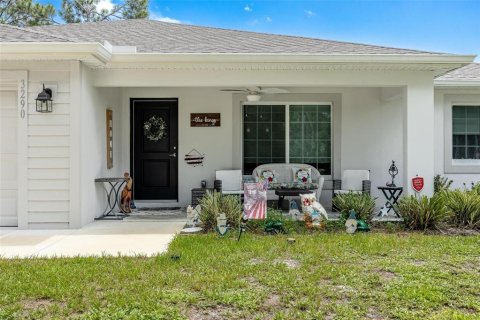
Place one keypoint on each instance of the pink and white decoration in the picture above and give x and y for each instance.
(255, 201)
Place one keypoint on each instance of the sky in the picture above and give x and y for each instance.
(451, 26)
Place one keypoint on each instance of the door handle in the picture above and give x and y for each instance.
(173, 155)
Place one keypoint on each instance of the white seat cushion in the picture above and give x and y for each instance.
(346, 191)
(232, 192)
(353, 179)
(231, 180)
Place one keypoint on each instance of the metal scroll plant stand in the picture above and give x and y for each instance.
(112, 193)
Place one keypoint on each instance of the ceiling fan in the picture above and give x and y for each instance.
(254, 94)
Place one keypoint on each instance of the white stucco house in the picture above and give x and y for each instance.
(370, 105)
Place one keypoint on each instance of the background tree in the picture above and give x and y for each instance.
(75, 11)
(25, 13)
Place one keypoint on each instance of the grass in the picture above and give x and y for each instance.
(320, 276)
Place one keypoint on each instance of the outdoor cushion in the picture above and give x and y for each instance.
(346, 191)
(302, 174)
(267, 174)
(231, 180)
(232, 192)
(352, 179)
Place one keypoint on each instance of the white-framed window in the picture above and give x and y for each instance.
(462, 133)
(466, 132)
(287, 133)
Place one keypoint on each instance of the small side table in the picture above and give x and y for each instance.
(392, 194)
(113, 192)
(198, 193)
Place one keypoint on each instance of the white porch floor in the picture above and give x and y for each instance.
(100, 237)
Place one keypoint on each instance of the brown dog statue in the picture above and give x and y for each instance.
(126, 194)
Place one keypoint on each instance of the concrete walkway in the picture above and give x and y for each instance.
(98, 238)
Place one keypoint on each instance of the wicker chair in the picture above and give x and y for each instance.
(229, 182)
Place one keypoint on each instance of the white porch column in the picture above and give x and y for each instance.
(418, 134)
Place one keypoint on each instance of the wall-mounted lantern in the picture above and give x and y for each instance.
(44, 100)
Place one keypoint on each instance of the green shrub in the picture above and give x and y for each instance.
(362, 203)
(423, 213)
(214, 203)
(464, 207)
(441, 183)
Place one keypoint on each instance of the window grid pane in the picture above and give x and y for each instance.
(310, 136)
(263, 135)
(466, 132)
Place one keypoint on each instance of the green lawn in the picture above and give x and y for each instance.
(321, 276)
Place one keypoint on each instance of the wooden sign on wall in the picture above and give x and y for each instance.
(109, 126)
(204, 119)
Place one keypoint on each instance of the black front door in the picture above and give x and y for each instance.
(154, 150)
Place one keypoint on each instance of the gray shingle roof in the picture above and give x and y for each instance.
(151, 36)
(470, 72)
(15, 34)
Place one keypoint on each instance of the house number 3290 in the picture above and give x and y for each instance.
(22, 98)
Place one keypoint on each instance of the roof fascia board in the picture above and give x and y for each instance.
(321, 58)
(54, 50)
(453, 83)
(84, 50)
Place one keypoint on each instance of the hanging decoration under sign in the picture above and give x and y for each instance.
(194, 158)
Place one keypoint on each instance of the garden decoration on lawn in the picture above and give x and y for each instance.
(222, 226)
(362, 226)
(314, 213)
(126, 197)
(294, 212)
(255, 203)
(193, 216)
(417, 184)
(193, 220)
(274, 223)
(351, 223)
(255, 200)
(274, 227)
(243, 227)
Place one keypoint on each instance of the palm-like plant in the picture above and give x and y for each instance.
(362, 203)
(423, 213)
(214, 203)
(464, 207)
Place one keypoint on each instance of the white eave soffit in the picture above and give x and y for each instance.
(107, 55)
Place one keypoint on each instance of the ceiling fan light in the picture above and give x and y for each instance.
(253, 97)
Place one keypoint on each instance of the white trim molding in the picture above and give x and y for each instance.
(21, 77)
(75, 212)
(96, 55)
(474, 84)
(453, 165)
